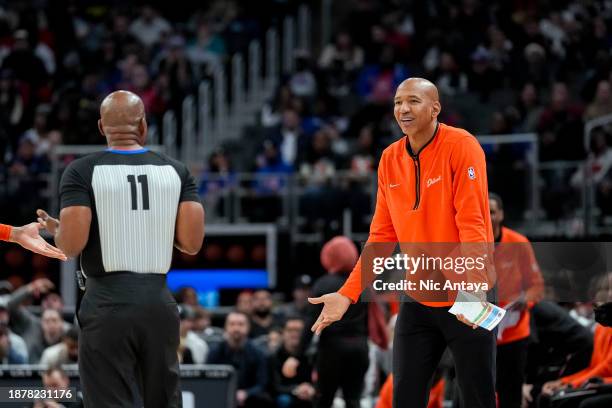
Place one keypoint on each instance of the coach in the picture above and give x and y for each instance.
(432, 187)
(123, 210)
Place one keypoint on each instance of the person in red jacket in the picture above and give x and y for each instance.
(432, 188)
(520, 285)
(28, 237)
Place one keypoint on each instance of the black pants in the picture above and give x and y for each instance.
(128, 342)
(511, 364)
(341, 363)
(422, 334)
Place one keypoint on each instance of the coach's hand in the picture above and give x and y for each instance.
(49, 223)
(463, 320)
(335, 306)
(28, 236)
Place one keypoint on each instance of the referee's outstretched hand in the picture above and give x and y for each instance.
(334, 307)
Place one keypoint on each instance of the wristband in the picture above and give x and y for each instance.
(5, 232)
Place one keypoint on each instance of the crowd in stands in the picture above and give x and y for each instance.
(59, 58)
(501, 68)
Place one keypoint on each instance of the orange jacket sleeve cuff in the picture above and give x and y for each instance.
(5, 232)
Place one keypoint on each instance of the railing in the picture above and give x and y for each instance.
(203, 128)
(278, 198)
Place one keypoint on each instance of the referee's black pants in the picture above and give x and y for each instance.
(422, 334)
(128, 342)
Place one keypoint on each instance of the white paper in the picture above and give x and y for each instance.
(481, 313)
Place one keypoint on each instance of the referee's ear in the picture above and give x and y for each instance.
(100, 128)
(143, 127)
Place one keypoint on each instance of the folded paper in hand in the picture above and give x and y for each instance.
(481, 313)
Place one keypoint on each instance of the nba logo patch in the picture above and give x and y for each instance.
(471, 173)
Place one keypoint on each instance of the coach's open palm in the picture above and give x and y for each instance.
(335, 306)
(28, 236)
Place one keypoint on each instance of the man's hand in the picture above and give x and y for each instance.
(552, 386)
(40, 286)
(29, 237)
(463, 320)
(335, 306)
(290, 367)
(304, 391)
(49, 223)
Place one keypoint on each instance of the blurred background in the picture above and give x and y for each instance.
(281, 109)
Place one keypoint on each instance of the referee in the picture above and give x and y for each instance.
(123, 210)
(432, 187)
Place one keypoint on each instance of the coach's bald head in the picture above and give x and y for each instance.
(421, 85)
(122, 119)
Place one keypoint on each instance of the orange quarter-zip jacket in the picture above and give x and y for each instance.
(438, 194)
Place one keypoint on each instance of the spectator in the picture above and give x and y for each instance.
(141, 85)
(56, 379)
(271, 170)
(262, 319)
(302, 82)
(192, 349)
(320, 161)
(529, 109)
(24, 63)
(377, 82)
(176, 69)
(12, 108)
(291, 370)
(202, 325)
(244, 302)
(560, 127)
(216, 181)
(208, 47)
(343, 53)
(121, 36)
(37, 332)
(187, 295)
(249, 362)
(272, 113)
(450, 79)
(149, 27)
(65, 352)
(363, 154)
(483, 78)
(8, 354)
(601, 104)
(43, 138)
(289, 137)
(299, 302)
(600, 160)
(52, 331)
(17, 343)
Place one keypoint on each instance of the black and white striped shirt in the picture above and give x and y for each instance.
(134, 197)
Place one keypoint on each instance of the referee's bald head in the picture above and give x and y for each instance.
(122, 118)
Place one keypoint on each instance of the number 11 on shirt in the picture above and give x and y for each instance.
(144, 185)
